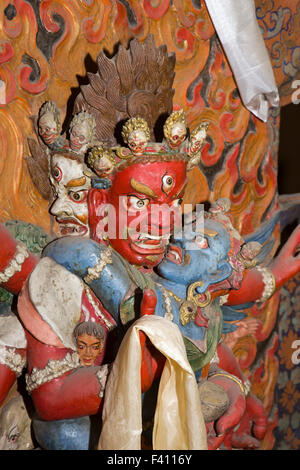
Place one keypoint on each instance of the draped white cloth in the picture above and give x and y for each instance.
(178, 421)
(237, 28)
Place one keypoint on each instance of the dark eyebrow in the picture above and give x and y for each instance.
(98, 341)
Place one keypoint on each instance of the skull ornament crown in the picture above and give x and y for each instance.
(178, 143)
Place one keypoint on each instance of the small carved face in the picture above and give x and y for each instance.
(80, 137)
(197, 140)
(137, 142)
(70, 187)
(48, 129)
(103, 166)
(178, 135)
(88, 349)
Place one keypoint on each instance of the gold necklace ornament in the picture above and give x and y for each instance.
(188, 308)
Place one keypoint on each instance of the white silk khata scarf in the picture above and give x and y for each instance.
(237, 28)
(178, 421)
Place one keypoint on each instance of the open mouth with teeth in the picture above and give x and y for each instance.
(49, 138)
(174, 254)
(145, 243)
(75, 146)
(71, 227)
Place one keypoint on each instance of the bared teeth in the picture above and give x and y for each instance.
(147, 241)
(174, 254)
(67, 229)
(147, 236)
(148, 246)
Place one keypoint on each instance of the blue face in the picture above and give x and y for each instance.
(197, 256)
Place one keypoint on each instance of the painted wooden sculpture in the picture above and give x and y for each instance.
(63, 390)
(229, 124)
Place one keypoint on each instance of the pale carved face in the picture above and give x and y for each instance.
(80, 137)
(70, 187)
(103, 166)
(178, 135)
(137, 142)
(197, 140)
(48, 128)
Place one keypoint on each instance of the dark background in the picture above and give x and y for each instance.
(289, 150)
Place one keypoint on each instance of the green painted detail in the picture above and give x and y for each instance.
(197, 358)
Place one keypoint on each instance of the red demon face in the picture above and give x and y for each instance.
(143, 207)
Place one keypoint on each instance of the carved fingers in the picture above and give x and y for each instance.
(287, 262)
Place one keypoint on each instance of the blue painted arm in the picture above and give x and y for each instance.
(78, 254)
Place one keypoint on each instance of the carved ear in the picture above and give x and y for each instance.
(96, 199)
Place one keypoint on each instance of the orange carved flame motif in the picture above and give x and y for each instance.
(44, 53)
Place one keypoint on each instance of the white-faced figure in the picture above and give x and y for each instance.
(49, 125)
(102, 160)
(136, 134)
(70, 180)
(82, 132)
(197, 138)
(194, 146)
(175, 129)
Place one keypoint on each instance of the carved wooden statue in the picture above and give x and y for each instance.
(209, 294)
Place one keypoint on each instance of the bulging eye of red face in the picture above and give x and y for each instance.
(135, 203)
(57, 173)
(78, 196)
(167, 183)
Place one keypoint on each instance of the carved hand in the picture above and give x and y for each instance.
(234, 413)
(253, 426)
(287, 262)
